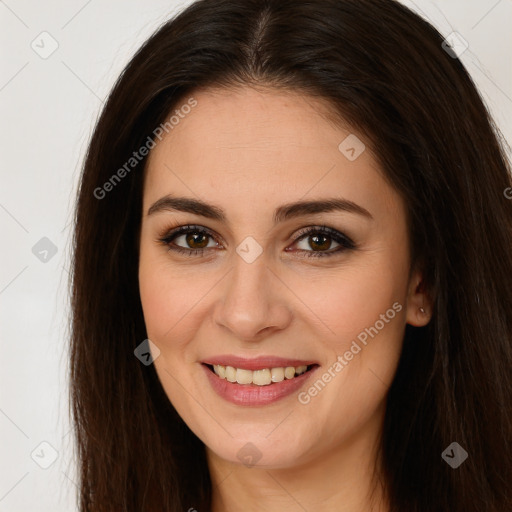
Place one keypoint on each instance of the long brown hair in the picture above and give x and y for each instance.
(383, 70)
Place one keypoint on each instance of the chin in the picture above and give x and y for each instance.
(259, 452)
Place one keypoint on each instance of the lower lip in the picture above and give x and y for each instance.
(253, 395)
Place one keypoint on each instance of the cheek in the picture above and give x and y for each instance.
(164, 300)
(173, 306)
(163, 297)
(349, 301)
(158, 314)
(364, 309)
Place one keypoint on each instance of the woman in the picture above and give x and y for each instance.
(292, 283)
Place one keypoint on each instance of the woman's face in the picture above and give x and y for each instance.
(264, 288)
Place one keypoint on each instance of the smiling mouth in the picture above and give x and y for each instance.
(262, 377)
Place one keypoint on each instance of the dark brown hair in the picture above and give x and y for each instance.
(383, 70)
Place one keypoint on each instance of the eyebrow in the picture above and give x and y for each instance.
(282, 213)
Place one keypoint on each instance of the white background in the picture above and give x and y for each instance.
(48, 108)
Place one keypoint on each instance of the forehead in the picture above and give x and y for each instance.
(245, 147)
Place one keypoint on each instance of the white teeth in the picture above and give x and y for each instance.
(243, 376)
(300, 369)
(262, 377)
(289, 372)
(277, 374)
(230, 373)
(221, 371)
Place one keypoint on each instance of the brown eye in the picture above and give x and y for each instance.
(192, 240)
(319, 240)
(201, 239)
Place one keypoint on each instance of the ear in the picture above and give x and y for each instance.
(419, 305)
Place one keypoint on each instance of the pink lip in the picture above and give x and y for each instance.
(257, 363)
(253, 395)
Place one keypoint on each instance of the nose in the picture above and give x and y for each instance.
(252, 303)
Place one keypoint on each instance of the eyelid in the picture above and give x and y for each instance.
(170, 233)
(322, 228)
(339, 237)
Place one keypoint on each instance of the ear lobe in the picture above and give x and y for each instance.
(419, 304)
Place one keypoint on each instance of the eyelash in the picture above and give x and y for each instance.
(345, 242)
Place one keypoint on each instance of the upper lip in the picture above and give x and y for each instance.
(256, 363)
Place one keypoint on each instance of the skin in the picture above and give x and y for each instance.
(248, 152)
